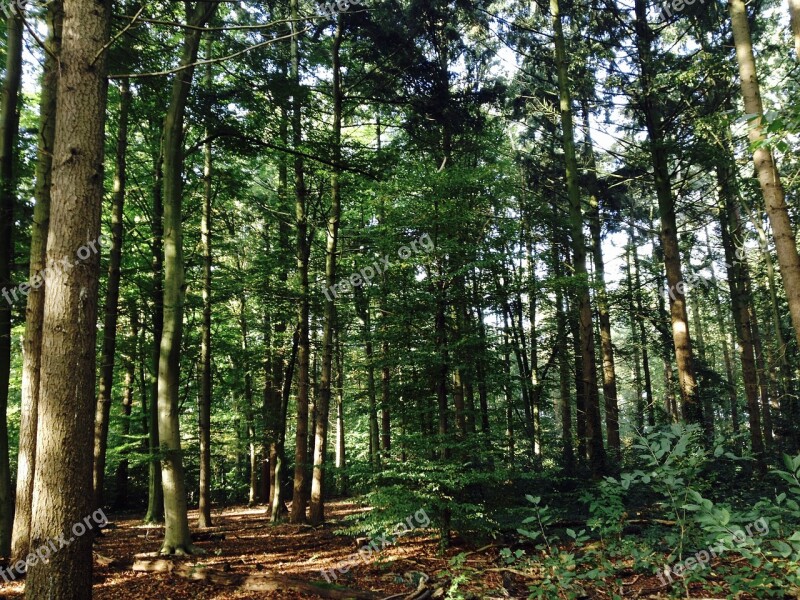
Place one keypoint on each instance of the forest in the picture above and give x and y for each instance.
(399, 299)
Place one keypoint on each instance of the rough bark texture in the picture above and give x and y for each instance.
(63, 471)
(767, 171)
(594, 430)
(317, 512)
(9, 126)
(690, 406)
(34, 316)
(177, 538)
(103, 408)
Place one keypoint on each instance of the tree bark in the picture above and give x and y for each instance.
(177, 539)
(32, 340)
(9, 128)
(767, 171)
(103, 409)
(63, 471)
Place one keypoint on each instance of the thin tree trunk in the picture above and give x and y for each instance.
(206, 383)
(733, 238)
(341, 456)
(594, 432)
(767, 171)
(690, 405)
(9, 127)
(123, 468)
(564, 400)
(105, 389)
(177, 539)
(155, 495)
(365, 314)
(66, 412)
(32, 340)
(299, 498)
(317, 510)
(603, 315)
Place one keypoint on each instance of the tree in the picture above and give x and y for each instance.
(177, 539)
(34, 316)
(9, 127)
(768, 176)
(66, 412)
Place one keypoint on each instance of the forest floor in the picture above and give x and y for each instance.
(243, 546)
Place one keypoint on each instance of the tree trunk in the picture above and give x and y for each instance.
(9, 127)
(364, 312)
(299, 499)
(122, 473)
(103, 408)
(204, 398)
(32, 340)
(733, 239)
(564, 400)
(155, 492)
(341, 456)
(317, 511)
(66, 412)
(177, 539)
(767, 171)
(691, 409)
(594, 432)
(603, 315)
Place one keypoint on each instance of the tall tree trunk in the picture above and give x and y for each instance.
(155, 492)
(32, 340)
(594, 432)
(690, 405)
(177, 539)
(767, 171)
(66, 412)
(364, 312)
(603, 315)
(277, 507)
(733, 239)
(103, 409)
(123, 468)
(341, 456)
(204, 398)
(317, 511)
(9, 127)
(299, 498)
(648, 380)
(564, 400)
